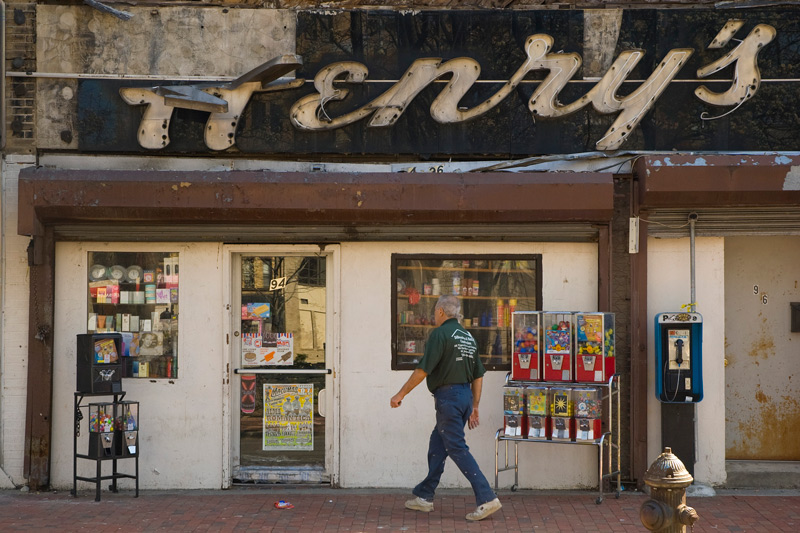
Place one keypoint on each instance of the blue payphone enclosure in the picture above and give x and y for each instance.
(679, 357)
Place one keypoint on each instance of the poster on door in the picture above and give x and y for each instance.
(288, 417)
(267, 349)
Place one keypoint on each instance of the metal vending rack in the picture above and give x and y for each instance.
(121, 442)
(608, 443)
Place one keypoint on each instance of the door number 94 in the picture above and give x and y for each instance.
(277, 284)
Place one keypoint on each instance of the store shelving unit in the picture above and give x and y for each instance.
(608, 445)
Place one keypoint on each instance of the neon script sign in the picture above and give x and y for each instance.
(226, 103)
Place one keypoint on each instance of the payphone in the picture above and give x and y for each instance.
(679, 365)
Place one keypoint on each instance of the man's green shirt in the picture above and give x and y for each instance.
(451, 356)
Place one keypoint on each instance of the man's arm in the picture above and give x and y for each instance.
(415, 379)
(477, 386)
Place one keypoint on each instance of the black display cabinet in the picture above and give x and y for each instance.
(99, 364)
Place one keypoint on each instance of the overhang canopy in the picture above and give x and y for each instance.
(729, 194)
(695, 181)
(224, 204)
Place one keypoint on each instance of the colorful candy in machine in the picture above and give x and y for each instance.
(538, 413)
(594, 347)
(101, 429)
(515, 422)
(127, 426)
(588, 413)
(562, 409)
(557, 333)
(526, 356)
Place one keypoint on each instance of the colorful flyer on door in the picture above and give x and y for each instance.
(288, 417)
(270, 349)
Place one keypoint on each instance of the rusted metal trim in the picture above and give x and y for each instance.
(693, 181)
(604, 257)
(638, 328)
(40, 362)
(51, 196)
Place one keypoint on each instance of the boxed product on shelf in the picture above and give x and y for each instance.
(588, 413)
(557, 335)
(514, 420)
(562, 410)
(537, 410)
(526, 355)
(594, 347)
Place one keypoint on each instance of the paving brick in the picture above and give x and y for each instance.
(322, 509)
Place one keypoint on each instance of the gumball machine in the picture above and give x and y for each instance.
(557, 333)
(538, 415)
(101, 429)
(562, 409)
(588, 413)
(526, 356)
(515, 423)
(594, 347)
(127, 428)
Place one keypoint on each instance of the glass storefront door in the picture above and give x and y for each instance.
(282, 378)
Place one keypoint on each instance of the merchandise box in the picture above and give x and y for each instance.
(526, 356)
(595, 360)
(557, 337)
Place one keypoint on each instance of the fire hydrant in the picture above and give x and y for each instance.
(666, 510)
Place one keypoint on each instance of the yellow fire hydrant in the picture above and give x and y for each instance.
(666, 510)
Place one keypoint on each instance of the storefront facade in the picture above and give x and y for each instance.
(319, 157)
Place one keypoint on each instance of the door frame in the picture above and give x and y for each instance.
(332, 347)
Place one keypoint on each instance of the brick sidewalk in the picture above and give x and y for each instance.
(252, 509)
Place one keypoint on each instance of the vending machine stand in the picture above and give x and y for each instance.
(608, 444)
(113, 457)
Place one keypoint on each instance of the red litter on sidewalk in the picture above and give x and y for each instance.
(283, 505)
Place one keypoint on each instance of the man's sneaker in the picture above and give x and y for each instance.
(484, 510)
(418, 504)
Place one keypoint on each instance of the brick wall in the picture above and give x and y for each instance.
(20, 92)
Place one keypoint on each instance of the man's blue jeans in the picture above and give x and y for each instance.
(453, 407)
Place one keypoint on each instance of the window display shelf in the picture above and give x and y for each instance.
(136, 294)
(489, 287)
(608, 443)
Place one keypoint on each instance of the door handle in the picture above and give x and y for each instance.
(321, 403)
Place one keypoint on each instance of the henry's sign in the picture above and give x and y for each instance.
(313, 112)
(395, 86)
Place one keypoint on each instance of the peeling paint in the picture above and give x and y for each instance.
(768, 431)
(783, 160)
(792, 180)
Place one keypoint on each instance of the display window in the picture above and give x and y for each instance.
(491, 289)
(136, 294)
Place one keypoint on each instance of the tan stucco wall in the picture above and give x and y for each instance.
(162, 41)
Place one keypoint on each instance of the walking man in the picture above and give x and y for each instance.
(453, 372)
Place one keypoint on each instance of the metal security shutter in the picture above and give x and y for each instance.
(723, 222)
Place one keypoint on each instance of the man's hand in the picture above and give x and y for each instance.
(397, 399)
(474, 420)
(415, 379)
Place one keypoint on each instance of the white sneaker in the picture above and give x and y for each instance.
(485, 510)
(418, 504)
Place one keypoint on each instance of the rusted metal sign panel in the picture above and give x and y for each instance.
(484, 84)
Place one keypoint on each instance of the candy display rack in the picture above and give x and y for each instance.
(607, 442)
(113, 435)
